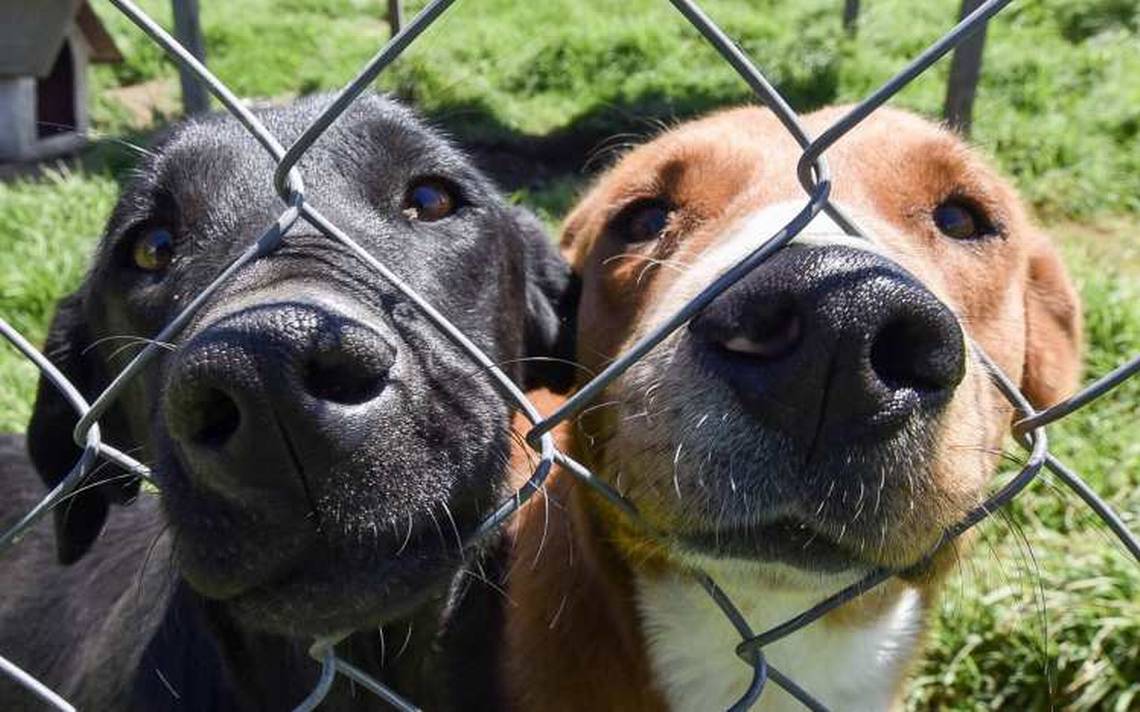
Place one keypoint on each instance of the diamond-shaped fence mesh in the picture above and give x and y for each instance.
(815, 178)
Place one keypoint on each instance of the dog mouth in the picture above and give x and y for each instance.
(323, 587)
(747, 486)
(323, 526)
(343, 565)
(326, 592)
(787, 540)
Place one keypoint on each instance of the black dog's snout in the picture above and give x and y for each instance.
(249, 395)
(830, 341)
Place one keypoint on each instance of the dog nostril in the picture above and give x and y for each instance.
(339, 377)
(774, 335)
(218, 418)
(918, 353)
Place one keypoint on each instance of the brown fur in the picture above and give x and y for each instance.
(573, 638)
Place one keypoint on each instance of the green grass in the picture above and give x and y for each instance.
(47, 231)
(1047, 611)
(1058, 105)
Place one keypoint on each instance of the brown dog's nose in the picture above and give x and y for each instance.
(263, 392)
(831, 343)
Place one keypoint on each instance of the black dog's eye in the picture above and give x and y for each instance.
(644, 220)
(153, 249)
(429, 200)
(961, 221)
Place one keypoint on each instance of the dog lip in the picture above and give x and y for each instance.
(306, 599)
(312, 584)
(786, 540)
(307, 565)
(229, 588)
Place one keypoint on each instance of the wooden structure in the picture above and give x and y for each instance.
(45, 48)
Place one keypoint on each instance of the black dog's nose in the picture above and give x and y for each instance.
(831, 342)
(248, 396)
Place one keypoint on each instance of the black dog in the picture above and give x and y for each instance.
(319, 446)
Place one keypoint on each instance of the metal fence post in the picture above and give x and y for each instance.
(395, 16)
(188, 30)
(850, 16)
(965, 70)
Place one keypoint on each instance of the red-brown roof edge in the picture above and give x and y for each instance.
(103, 49)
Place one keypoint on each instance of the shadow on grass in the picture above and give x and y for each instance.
(592, 140)
(538, 167)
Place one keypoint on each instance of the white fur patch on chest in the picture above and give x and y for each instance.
(692, 644)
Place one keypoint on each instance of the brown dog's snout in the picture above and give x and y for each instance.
(263, 391)
(831, 342)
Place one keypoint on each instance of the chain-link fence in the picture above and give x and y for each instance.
(815, 178)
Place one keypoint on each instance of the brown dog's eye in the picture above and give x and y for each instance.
(154, 249)
(961, 221)
(644, 220)
(429, 200)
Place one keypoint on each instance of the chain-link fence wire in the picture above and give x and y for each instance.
(814, 176)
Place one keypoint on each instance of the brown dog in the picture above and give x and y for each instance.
(822, 417)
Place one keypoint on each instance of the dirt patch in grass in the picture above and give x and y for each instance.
(147, 104)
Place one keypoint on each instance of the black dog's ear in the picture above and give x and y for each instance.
(551, 308)
(79, 518)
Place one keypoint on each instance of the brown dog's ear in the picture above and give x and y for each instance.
(1053, 329)
(78, 518)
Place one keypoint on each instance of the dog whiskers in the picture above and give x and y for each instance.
(481, 370)
(404, 646)
(676, 477)
(676, 265)
(407, 537)
(454, 529)
(383, 647)
(612, 146)
(482, 577)
(545, 527)
(147, 558)
(78, 490)
(131, 338)
(167, 685)
(859, 502)
(1029, 558)
(102, 137)
(438, 529)
(826, 497)
(597, 406)
(810, 539)
(86, 483)
(557, 613)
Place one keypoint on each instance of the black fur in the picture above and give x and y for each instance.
(315, 514)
